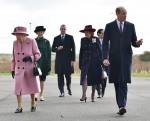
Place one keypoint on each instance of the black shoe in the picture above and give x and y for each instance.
(19, 110)
(99, 96)
(69, 92)
(62, 95)
(33, 109)
(92, 100)
(102, 94)
(83, 99)
(122, 111)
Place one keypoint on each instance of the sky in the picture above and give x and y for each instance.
(75, 14)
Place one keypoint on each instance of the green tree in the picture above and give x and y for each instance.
(145, 56)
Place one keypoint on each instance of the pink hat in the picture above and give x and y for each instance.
(20, 30)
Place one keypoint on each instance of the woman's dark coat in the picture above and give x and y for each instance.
(45, 49)
(90, 61)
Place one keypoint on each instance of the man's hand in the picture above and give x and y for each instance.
(106, 62)
(60, 48)
(139, 42)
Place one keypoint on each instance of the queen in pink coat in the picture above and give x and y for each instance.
(24, 50)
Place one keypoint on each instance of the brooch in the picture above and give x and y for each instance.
(93, 40)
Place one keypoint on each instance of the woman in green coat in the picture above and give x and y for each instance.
(45, 61)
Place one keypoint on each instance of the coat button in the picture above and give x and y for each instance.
(22, 67)
(18, 68)
(18, 60)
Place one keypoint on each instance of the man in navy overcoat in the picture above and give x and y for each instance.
(64, 47)
(119, 35)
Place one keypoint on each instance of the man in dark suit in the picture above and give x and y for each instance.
(64, 47)
(119, 35)
(101, 87)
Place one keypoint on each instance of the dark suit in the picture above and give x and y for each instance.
(101, 87)
(63, 59)
(120, 57)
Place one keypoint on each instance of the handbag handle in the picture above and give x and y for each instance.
(35, 62)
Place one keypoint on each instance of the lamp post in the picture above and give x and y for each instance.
(30, 29)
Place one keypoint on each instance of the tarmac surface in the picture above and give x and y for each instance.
(69, 108)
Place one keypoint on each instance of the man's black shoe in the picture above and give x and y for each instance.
(62, 95)
(122, 111)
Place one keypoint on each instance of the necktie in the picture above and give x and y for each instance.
(120, 27)
(62, 38)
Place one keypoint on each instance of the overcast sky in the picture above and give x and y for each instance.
(74, 13)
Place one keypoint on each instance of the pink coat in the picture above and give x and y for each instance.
(25, 82)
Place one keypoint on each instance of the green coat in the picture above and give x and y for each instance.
(45, 49)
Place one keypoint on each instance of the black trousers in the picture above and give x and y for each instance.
(61, 82)
(101, 87)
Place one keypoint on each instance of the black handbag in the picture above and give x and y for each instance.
(36, 69)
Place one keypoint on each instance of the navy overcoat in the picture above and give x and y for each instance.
(65, 56)
(117, 47)
(90, 61)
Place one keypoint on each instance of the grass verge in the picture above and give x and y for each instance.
(78, 74)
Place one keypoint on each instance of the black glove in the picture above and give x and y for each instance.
(13, 74)
(27, 58)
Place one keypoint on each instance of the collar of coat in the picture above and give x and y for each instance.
(41, 38)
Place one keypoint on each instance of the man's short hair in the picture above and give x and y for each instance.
(99, 31)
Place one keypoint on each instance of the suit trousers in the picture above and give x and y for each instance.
(121, 90)
(61, 82)
(101, 87)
